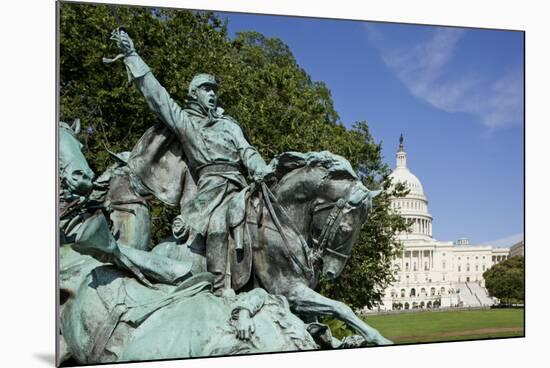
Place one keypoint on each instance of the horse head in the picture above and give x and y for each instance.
(338, 216)
(74, 172)
(329, 204)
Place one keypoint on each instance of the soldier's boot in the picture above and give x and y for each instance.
(217, 263)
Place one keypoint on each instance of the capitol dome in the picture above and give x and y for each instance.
(414, 206)
(405, 176)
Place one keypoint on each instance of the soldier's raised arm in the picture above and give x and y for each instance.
(140, 74)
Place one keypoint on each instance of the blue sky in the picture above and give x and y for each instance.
(456, 94)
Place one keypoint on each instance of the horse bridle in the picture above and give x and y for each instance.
(331, 225)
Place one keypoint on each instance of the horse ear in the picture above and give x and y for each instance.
(76, 126)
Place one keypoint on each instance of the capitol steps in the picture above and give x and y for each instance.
(481, 294)
(473, 295)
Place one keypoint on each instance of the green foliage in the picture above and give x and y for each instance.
(338, 328)
(506, 280)
(262, 86)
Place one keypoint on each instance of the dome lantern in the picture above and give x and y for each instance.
(414, 206)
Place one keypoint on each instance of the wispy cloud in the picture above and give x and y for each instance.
(505, 242)
(425, 69)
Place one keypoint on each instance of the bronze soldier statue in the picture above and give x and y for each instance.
(213, 152)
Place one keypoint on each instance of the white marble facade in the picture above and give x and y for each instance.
(433, 273)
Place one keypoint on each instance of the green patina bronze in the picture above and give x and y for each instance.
(238, 274)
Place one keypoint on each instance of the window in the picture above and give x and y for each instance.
(477, 268)
(483, 267)
(432, 291)
(467, 267)
(459, 269)
(402, 293)
(407, 266)
(425, 266)
(443, 264)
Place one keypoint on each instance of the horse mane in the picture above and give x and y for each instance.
(336, 166)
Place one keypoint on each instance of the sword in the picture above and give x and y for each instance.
(115, 35)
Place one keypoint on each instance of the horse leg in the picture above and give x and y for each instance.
(304, 300)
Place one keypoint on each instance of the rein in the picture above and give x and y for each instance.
(331, 225)
(269, 197)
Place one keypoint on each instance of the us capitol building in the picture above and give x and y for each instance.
(433, 273)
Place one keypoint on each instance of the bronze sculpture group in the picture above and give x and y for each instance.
(239, 272)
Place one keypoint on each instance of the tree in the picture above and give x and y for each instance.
(506, 280)
(262, 86)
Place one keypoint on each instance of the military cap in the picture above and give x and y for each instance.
(200, 79)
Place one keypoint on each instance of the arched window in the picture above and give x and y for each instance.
(393, 293)
(413, 292)
(442, 290)
(477, 267)
(467, 267)
(459, 268)
(402, 293)
(406, 305)
(422, 291)
(432, 291)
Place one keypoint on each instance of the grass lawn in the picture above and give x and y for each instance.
(449, 326)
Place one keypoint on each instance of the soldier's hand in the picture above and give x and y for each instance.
(267, 174)
(245, 325)
(123, 41)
